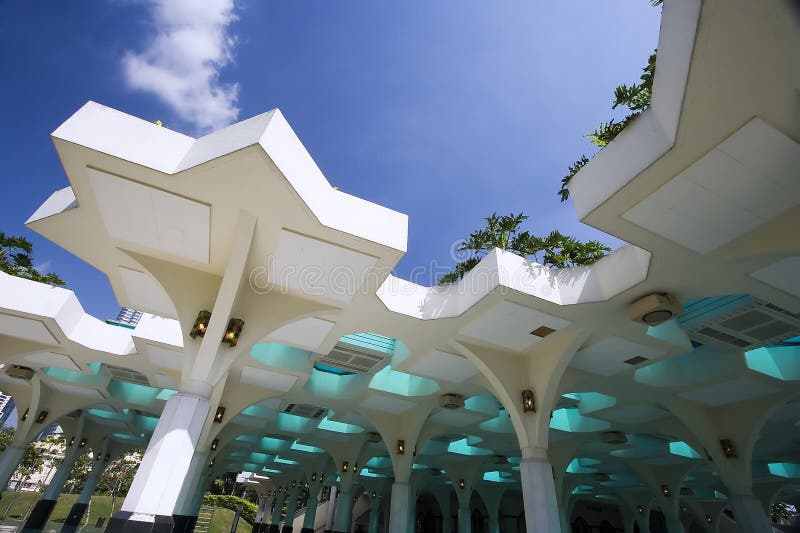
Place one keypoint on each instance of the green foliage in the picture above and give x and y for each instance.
(118, 476)
(780, 513)
(554, 250)
(16, 258)
(573, 169)
(233, 503)
(81, 470)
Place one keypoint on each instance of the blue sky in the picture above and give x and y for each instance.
(445, 110)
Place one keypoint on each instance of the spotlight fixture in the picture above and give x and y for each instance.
(728, 448)
(345, 466)
(24, 416)
(640, 509)
(313, 476)
(107, 458)
(231, 336)
(71, 441)
(528, 403)
(82, 443)
(200, 324)
(41, 417)
(401, 447)
(666, 491)
(219, 414)
(214, 444)
(461, 483)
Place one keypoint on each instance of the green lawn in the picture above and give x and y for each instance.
(21, 502)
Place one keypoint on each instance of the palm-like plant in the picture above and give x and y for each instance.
(16, 258)
(554, 249)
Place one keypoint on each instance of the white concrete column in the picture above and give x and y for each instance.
(539, 493)
(342, 522)
(92, 480)
(9, 461)
(374, 514)
(464, 518)
(673, 521)
(167, 464)
(749, 514)
(194, 482)
(331, 508)
(276, 512)
(399, 508)
(563, 517)
(311, 508)
(291, 509)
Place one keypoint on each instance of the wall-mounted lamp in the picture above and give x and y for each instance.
(200, 324)
(214, 444)
(313, 476)
(71, 441)
(294, 483)
(231, 336)
(97, 455)
(401, 447)
(709, 519)
(41, 417)
(211, 462)
(461, 483)
(374, 494)
(415, 451)
(728, 448)
(355, 466)
(218, 416)
(355, 498)
(82, 443)
(345, 466)
(640, 509)
(107, 458)
(528, 403)
(666, 491)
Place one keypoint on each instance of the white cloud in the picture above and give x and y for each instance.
(181, 63)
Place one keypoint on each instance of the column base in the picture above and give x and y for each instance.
(75, 516)
(287, 529)
(273, 528)
(127, 522)
(39, 515)
(183, 523)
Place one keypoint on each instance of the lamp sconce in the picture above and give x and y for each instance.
(345, 466)
(355, 498)
(415, 451)
(640, 509)
(214, 444)
(71, 441)
(41, 417)
(313, 476)
(211, 462)
(709, 519)
(528, 402)
(374, 494)
(231, 336)
(401, 447)
(355, 466)
(107, 458)
(82, 443)
(728, 448)
(97, 455)
(461, 484)
(294, 483)
(219, 415)
(666, 491)
(200, 324)
(24, 416)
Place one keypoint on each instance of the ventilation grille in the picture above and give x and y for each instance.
(752, 326)
(353, 359)
(126, 374)
(304, 410)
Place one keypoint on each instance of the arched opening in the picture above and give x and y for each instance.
(479, 515)
(428, 517)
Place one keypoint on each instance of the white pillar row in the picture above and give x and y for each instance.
(44, 507)
(167, 464)
(374, 513)
(343, 519)
(673, 521)
(749, 514)
(311, 508)
(9, 461)
(276, 512)
(82, 503)
(539, 493)
(399, 507)
(291, 509)
(331, 508)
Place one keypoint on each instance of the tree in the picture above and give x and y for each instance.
(81, 470)
(554, 250)
(118, 476)
(781, 512)
(16, 258)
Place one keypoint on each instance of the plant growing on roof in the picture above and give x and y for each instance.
(554, 250)
(16, 258)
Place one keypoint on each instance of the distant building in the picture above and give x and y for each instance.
(7, 407)
(127, 318)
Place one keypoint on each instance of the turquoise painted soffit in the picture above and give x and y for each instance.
(402, 384)
(570, 420)
(289, 423)
(366, 473)
(127, 436)
(72, 376)
(306, 448)
(108, 415)
(683, 449)
(781, 362)
(589, 402)
(147, 423)
(339, 427)
(379, 462)
(338, 386)
(498, 476)
(462, 447)
(280, 355)
(500, 424)
(582, 465)
(285, 461)
(133, 392)
(259, 411)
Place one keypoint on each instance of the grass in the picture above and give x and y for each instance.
(21, 503)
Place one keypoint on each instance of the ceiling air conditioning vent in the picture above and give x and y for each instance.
(614, 437)
(20, 372)
(306, 411)
(451, 401)
(748, 327)
(654, 309)
(126, 374)
(353, 359)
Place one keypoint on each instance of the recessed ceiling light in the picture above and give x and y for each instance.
(636, 360)
(542, 331)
